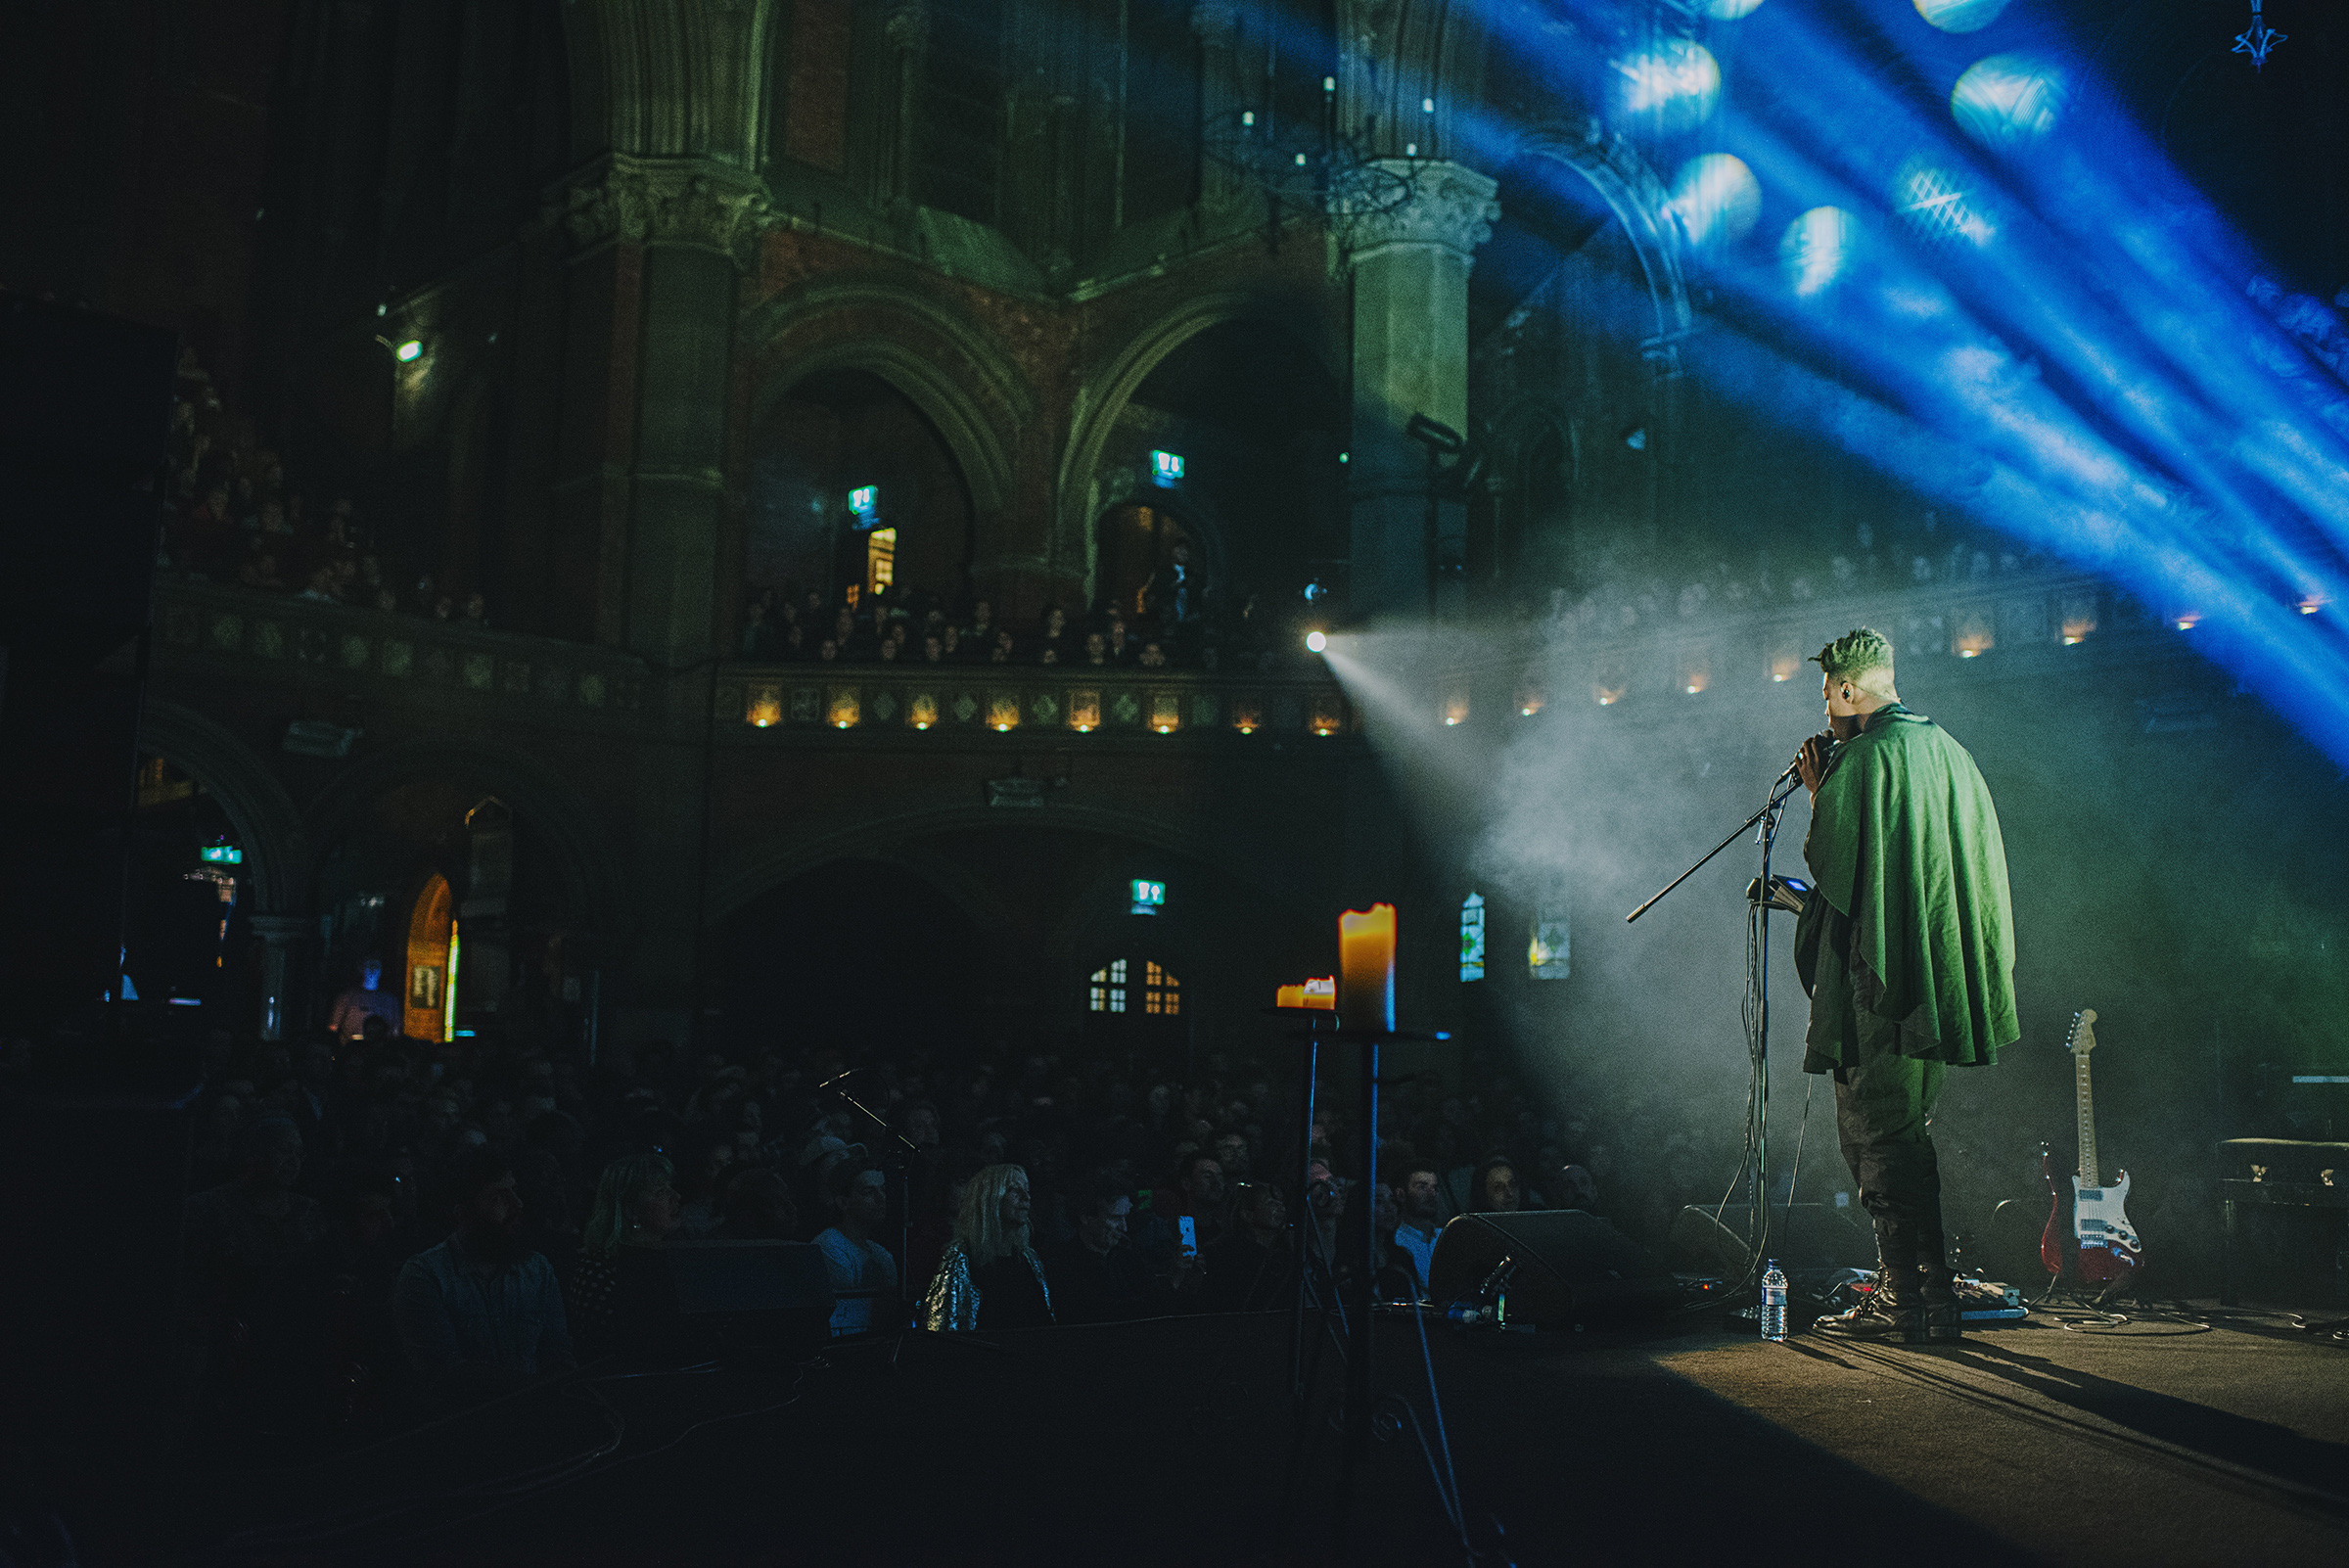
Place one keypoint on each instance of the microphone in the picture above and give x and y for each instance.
(1796, 766)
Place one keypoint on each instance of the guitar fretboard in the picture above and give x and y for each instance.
(2087, 1122)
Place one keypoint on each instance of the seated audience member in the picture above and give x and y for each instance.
(1198, 1196)
(1421, 1220)
(1495, 1189)
(990, 1278)
(1096, 649)
(1153, 657)
(480, 1312)
(1096, 1276)
(237, 1238)
(758, 1206)
(1250, 1268)
(859, 1193)
(1120, 646)
(1003, 650)
(952, 649)
(1053, 644)
(621, 1300)
(757, 639)
(353, 1007)
(927, 1236)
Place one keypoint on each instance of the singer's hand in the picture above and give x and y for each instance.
(1812, 761)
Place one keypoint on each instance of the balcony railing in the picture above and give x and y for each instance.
(937, 701)
(273, 636)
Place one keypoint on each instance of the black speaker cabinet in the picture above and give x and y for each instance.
(1562, 1266)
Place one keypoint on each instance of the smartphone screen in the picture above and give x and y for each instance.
(1190, 1236)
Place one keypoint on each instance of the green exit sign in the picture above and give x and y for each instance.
(224, 854)
(1148, 897)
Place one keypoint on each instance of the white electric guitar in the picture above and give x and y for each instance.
(2106, 1242)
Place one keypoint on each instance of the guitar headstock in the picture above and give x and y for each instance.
(2083, 1038)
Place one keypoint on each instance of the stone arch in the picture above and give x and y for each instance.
(963, 382)
(1639, 203)
(1103, 397)
(270, 827)
(519, 781)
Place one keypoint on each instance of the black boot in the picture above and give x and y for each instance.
(1937, 1287)
(1892, 1310)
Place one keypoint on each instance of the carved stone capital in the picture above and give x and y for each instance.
(907, 28)
(681, 201)
(1449, 207)
(1216, 21)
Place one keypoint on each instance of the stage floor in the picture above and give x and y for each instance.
(1169, 1441)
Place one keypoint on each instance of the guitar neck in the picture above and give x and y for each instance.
(2088, 1122)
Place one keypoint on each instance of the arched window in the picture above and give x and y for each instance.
(1472, 937)
(1110, 991)
(1107, 994)
(431, 944)
(1547, 956)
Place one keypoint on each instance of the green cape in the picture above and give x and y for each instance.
(1910, 873)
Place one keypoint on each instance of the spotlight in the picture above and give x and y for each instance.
(1961, 15)
(408, 352)
(1716, 200)
(1316, 641)
(2008, 101)
(1677, 84)
(1816, 249)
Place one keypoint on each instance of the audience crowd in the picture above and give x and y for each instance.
(381, 1226)
(232, 516)
(898, 625)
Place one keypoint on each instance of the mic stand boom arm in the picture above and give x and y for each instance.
(1778, 798)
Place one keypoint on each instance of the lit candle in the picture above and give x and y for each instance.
(1366, 967)
(1320, 996)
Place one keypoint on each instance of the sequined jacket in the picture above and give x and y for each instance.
(951, 1306)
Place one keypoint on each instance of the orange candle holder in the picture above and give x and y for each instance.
(1366, 967)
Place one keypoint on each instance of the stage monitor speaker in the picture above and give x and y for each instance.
(1802, 1236)
(1563, 1267)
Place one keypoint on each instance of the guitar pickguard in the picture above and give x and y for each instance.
(2109, 1246)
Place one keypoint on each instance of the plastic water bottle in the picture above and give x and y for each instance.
(1773, 1304)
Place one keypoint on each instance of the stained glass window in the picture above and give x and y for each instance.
(1548, 955)
(1160, 992)
(1472, 937)
(1107, 991)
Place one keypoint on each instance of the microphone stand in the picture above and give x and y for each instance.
(907, 1156)
(1757, 908)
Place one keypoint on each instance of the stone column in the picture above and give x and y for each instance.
(657, 245)
(1216, 23)
(1409, 266)
(280, 935)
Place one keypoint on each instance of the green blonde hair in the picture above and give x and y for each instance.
(1857, 654)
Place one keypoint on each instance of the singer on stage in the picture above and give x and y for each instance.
(1907, 947)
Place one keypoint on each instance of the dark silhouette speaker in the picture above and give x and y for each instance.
(1559, 1267)
(1803, 1238)
(769, 1292)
